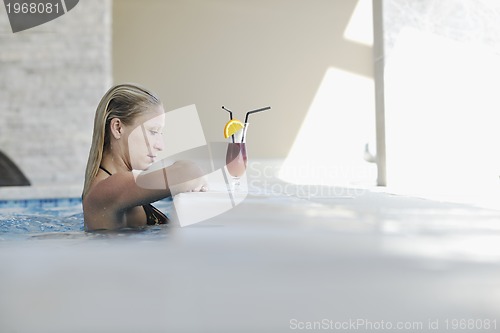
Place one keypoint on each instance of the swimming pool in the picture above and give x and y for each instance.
(42, 218)
(277, 257)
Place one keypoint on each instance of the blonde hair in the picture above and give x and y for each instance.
(125, 102)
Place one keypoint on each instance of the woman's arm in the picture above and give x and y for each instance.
(125, 190)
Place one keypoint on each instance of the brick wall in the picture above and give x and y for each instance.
(51, 79)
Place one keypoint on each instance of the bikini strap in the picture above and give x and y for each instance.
(153, 215)
(100, 167)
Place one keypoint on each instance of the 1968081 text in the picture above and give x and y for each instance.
(32, 8)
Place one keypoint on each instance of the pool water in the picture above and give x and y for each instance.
(36, 218)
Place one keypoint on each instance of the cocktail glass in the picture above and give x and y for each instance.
(236, 157)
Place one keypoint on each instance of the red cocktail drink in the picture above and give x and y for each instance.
(236, 159)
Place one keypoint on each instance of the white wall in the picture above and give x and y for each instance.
(242, 54)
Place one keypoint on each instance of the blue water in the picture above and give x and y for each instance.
(39, 217)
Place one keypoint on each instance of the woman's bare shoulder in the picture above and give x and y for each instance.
(106, 191)
(121, 191)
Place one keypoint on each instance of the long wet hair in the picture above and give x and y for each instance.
(125, 102)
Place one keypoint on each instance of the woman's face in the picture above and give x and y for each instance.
(145, 140)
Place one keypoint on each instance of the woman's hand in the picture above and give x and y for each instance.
(186, 176)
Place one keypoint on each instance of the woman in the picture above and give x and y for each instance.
(127, 137)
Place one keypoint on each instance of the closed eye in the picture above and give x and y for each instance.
(155, 132)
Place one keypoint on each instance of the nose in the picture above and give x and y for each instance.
(159, 144)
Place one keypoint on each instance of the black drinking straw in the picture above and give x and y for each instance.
(246, 118)
(230, 113)
(254, 111)
(230, 118)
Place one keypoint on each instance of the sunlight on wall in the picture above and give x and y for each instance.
(442, 133)
(329, 147)
(360, 25)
